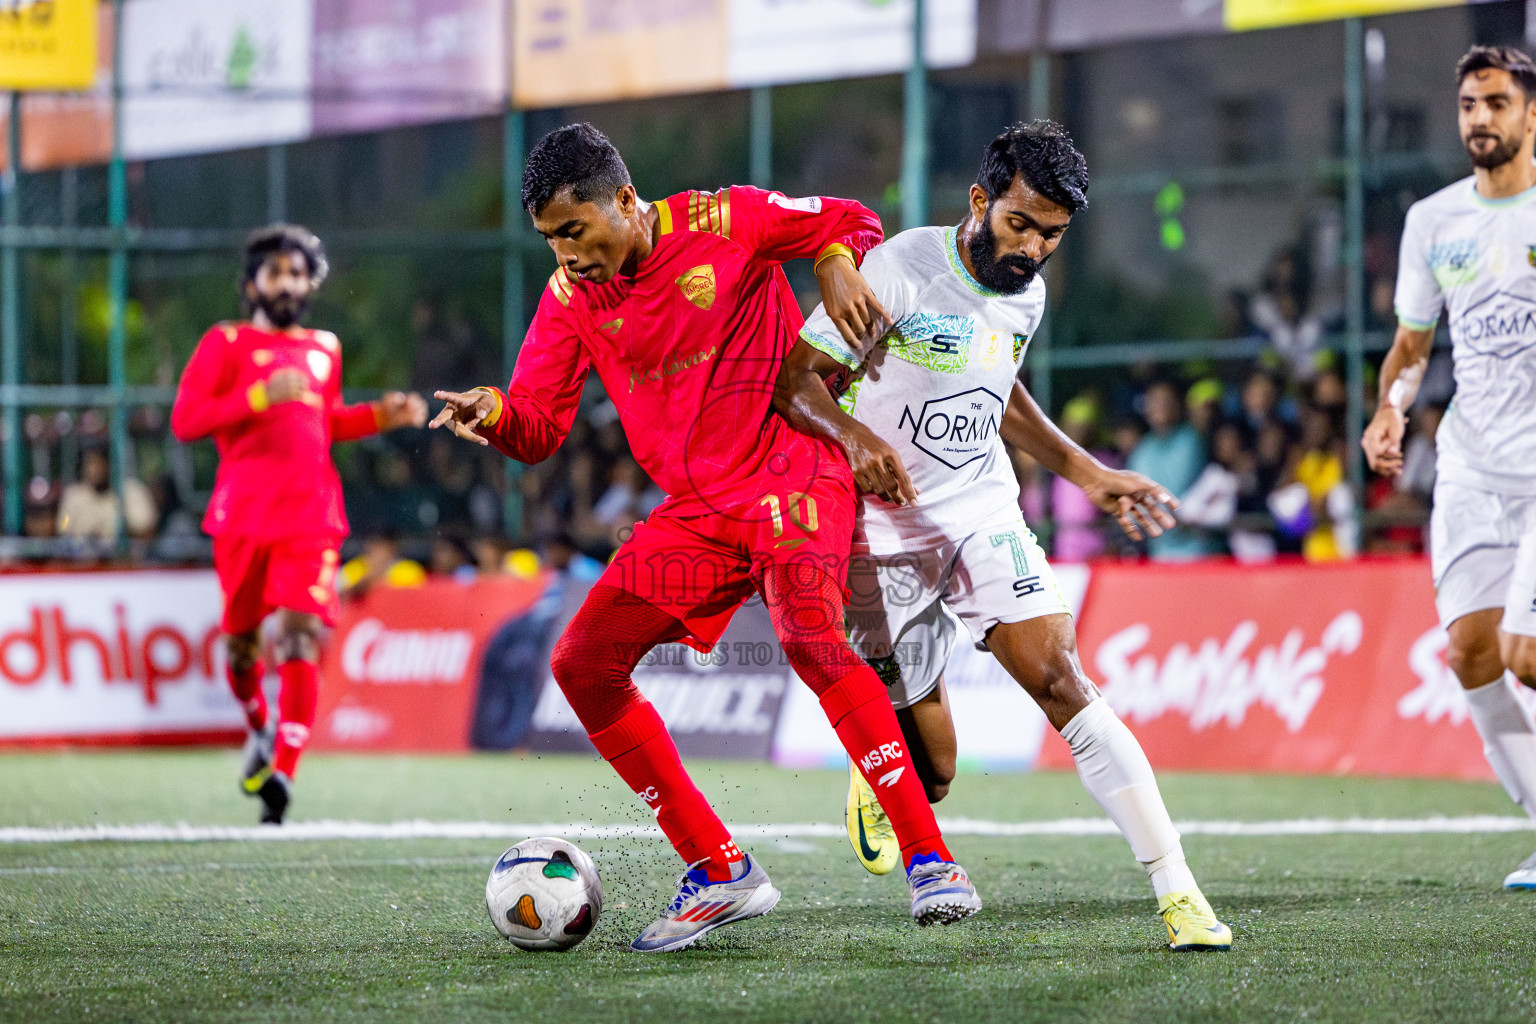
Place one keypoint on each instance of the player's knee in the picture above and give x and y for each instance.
(243, 651)
(1521, 659)
(1475, 663)
(296, 641)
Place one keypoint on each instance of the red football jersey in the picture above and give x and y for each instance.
(275, 478)
(688, 348)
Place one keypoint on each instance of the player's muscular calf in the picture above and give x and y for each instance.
(929, 731)
(1041, 655)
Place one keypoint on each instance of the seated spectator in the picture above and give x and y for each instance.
(1172, 454)
(1079, 525)
(1211, 500)
(1316, 502)
(561, 554)
(451, 559)
(1202, 403)
(1280, 312)
(1260, 401)
(380, 564)
(90, 510)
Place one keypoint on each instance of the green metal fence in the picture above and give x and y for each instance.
(519, 248)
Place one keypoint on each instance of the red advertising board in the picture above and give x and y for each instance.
(1285, 668)
(402, 667)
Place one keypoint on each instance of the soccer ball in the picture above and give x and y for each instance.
(544, 893)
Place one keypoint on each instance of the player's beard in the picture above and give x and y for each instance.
(283, 310)
(997, 272)
(1503, 151)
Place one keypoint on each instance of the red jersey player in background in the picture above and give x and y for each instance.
(269, 393)
(683, 310)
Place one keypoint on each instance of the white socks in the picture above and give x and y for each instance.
(1509, 741)
(1116, 774)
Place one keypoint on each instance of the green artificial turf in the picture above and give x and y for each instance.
(1330, 928)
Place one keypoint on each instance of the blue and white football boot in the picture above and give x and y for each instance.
(701, 906)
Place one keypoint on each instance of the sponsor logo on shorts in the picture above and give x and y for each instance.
(1028, 585)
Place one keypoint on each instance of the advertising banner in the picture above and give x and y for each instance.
(47, 44)
(721, 704)
(577, 51)
(403, 667)
(200, 77)
(997, 725)
(69, 128)
(113, 657)
(1242, 15)
(778, 41)
(386, 63)
(1285, 668)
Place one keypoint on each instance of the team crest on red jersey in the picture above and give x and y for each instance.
(698, 286)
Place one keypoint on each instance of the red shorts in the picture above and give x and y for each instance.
(700, 568)
(260, 576)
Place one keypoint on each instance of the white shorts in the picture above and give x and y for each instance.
(1483, 553)
(906, 606)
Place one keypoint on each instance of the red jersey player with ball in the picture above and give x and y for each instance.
(268, 392)
(683, 310)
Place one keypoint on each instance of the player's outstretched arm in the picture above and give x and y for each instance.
(800, 395)
(1401, 374)
(1143, 507)
(465, 412)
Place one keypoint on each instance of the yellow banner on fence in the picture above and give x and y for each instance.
(1242, 15)
(47, 44)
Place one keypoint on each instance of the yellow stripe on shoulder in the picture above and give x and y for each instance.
(710, 211)
(663, 217)
(561, 284)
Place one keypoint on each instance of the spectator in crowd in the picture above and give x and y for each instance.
(1316, 501)
(1281, 313)
(1079, 525)
(1202, 404)
(560, 553)
(1173, 454)
(1260, 401)
(451, 558)
(380, 564)
(90, 509)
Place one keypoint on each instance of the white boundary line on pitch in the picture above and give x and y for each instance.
(324, 830)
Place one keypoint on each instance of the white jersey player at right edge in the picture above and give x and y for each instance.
(1470, 250)
(940, 544)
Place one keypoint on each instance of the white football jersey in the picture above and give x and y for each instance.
(1476, 259)
(936, 386)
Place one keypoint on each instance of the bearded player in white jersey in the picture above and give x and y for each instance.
(1470, 250)
(940, 542)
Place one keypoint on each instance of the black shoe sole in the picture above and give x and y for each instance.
(274, 800)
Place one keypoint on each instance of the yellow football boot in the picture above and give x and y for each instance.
(869, 830)
(1191, 922)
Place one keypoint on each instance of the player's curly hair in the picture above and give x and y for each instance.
(274, 238)
(578, 156)
(1500, 58)
(1043, 153)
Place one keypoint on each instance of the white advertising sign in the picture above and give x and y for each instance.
(88, 655)
(996, 724)
(201, 76)
(774, 41)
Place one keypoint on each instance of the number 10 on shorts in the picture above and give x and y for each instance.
(802, 512)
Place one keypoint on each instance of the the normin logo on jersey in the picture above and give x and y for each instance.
(956, 430)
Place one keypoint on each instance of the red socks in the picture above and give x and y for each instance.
(860, 712)
(295, 713)
(643, 754)
(246, 686)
